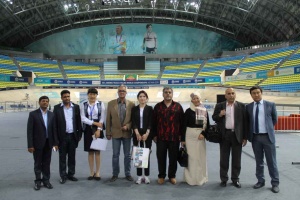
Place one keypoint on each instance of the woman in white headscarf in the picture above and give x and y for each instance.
(196, 124)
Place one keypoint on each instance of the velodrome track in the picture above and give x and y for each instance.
(16, 173)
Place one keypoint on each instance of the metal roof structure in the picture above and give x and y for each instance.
(251, 22)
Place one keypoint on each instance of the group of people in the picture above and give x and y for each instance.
(166, 124)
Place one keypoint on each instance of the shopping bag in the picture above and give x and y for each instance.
(140, 156)
(214, 134)
(182, 157)
(99, 144)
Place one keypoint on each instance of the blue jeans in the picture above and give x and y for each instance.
(116, 143)
(262, 146)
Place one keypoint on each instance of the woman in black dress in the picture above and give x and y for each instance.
(141, 118)
(92, 116)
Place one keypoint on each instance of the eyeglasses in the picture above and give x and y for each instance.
(122, 91)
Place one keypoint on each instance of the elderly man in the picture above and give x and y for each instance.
(230, 117)
(118, 128)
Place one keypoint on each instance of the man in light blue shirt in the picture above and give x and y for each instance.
(261, 118)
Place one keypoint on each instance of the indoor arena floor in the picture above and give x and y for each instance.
(16, 173)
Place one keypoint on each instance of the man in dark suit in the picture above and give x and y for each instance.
(69, 130)
(262, 117)
(230, 117)
(41, 138)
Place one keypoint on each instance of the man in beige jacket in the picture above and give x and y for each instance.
(118, 127)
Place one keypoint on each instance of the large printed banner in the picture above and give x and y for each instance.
(134, 39)
(141, 83)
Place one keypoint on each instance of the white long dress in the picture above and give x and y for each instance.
(196, 172)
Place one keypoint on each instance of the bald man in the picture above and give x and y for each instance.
(230, 118)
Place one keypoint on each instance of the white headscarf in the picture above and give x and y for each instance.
(200, 111)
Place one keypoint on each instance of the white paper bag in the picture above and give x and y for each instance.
(99, 144)
(140, 157)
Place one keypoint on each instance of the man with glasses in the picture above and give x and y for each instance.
(118, 128)
(168, 118)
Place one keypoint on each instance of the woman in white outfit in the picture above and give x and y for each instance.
(196, 123)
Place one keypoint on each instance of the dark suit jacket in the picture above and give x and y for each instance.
(239, 119)
(61, 122)
(270, 119)
(36, 130)
(147, 118)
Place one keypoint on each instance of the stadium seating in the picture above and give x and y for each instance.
(7, 66)
(289, 83)
(76, 70)
(41, 68)
(184, 70)
(214, 67)
(264, 61)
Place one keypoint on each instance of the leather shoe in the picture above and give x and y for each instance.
(37, 186)
(275, 189)
(48, 185)
(258, 185)
(113, 178)
(173, 181)
(223, 184)
(72, 178)
(63, 180)
(237, 184)
(160, 181)
(129, 178)
(91, 177)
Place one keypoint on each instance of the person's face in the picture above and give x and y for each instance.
(118, 30)
(66, 98)
(256, 95)
(168, 95)
(122, 92)
(196, 100)
(149, 29)
(142, 98)
(92, 97)
(44, 104)
(230, 95)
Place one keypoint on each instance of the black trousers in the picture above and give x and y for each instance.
(148, 142)
(42, 160)
(67, 148)
(162, 149)
(230, 144)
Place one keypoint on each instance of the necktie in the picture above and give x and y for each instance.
(256, 118)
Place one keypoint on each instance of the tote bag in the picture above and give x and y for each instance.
(140, 156)
(99, 144)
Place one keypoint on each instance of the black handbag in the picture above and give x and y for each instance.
(214, 134)
(182, 157)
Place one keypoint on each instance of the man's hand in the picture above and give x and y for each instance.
(108, 137)
(31, 150)
(222, 113)
(56, 148)
(124, 128)
(182, 144)
(138, 137)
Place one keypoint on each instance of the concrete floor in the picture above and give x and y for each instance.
(16, 173)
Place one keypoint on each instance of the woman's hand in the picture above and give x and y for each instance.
(97, 133)
(201, 137)
(145, 136)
